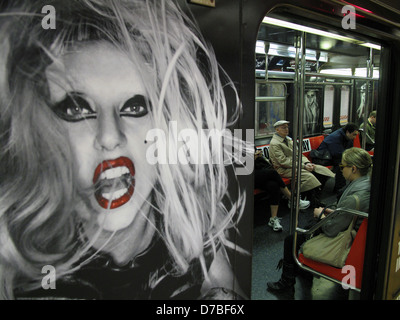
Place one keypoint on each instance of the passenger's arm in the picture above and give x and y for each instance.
(341, 221)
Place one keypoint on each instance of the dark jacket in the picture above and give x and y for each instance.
(360, 187)
(336, 143)
(149, 276)
(261, 163)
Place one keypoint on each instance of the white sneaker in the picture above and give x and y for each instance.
(275, 224)
(303, 204)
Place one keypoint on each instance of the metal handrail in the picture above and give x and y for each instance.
(297, 130)
(330, 217)
(344, 77)
(262, 99)
(291, 75)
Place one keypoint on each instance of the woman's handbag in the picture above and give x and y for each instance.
(331, 250)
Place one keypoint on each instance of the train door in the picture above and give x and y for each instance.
(320, 81)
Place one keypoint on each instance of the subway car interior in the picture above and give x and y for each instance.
(319, 79)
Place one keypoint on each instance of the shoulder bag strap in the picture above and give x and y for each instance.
(353, 222)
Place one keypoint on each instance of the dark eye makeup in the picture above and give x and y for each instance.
(74, 107)
(135, 107)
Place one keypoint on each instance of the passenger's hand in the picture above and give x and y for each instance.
(309, 167)
(317, 212)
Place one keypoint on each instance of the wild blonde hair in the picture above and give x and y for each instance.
(37, 221)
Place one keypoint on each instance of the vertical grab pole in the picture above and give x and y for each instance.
(301, 114)
(266, 50)
(293, 215)
(298, 133)
(370, 68)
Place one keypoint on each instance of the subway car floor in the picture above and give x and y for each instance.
(268, 250)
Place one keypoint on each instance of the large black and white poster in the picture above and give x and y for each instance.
(117, 156)
(312, 110)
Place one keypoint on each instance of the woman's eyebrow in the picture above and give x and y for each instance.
(139, 98)
(69, 94)
(74, 93)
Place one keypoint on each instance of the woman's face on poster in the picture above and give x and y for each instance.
(311, 99)
(100, 97)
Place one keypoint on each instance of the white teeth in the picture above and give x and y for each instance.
(115, 195)
(113, 173)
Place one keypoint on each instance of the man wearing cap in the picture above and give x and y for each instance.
(281, 152)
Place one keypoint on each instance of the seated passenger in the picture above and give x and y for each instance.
(370, 131)
(336, 143)
(267, 179)
(312, 176)
(356, 165)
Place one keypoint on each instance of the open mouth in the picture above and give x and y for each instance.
(114, 182)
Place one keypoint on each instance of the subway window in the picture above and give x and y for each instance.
(344, 105)
(270, 106)
(329, 93)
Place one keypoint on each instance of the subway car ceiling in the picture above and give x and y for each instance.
(339, 66)
(331, 50)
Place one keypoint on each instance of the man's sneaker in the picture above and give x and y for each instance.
(303, 204)
(275, 224)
